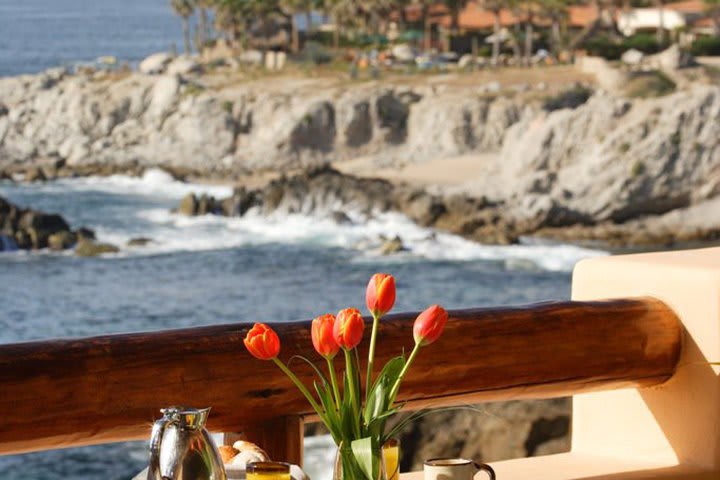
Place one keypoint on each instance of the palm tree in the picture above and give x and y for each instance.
(556, 11)
(660, 31)
(455, 7)
(290, 9)
(203, 26)
(495, 6)
(343, 13)
(184, 8)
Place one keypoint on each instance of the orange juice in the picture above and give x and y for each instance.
(268, 471)
(391, 454)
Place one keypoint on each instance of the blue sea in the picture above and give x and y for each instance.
(207, 270)
(40, 34)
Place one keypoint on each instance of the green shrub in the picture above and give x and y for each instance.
(603, 46)
(645, 42)
(624, 148)
(705, 46)
(649, 84)
(572, 98)
(612, 49)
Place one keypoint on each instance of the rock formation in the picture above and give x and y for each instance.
(609, 161)
(26, 229)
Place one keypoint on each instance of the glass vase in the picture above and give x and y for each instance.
(347, 468)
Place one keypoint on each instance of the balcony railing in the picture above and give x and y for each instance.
(64, 393)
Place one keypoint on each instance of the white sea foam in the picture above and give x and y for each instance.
(173, 232)
(153, 182)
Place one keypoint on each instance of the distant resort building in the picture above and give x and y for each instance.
(689, 15)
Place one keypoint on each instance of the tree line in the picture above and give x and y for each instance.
(235, 18)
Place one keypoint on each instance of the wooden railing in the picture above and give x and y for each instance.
(62, 393)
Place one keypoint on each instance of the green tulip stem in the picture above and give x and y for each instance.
(350, 372)
(371, 355)
(333, 380)
(299, 384)
(396, 387)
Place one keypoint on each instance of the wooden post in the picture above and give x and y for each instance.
(282, 438)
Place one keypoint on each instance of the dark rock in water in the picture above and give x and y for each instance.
(394, 245)
(61, 240)
(35, 174)
(139, 242)
(7, 244)
(326, 192)
(5, 176)
(87, 248)
(32, 229)
(22, 238)
(422, 208)
(41, 225)
(188, 205)
(191, 205)
(208, 205)
(84, 233)
(341, 218)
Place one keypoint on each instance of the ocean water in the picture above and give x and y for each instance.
(40, 34)
(210, 270)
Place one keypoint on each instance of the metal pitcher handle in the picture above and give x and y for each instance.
(155, 439)
(486, 468)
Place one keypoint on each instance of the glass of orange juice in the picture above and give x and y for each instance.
(267, 471)
(391, 457)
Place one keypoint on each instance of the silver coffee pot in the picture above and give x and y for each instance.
(182, 449)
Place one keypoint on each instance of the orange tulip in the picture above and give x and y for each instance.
(348, 328)
(262, 342)
(322, 335)
(429, 325)
(380, 294)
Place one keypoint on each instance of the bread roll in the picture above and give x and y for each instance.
(243, 446)
(227, 453)
(248, 455)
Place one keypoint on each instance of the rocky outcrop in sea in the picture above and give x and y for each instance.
(28, 229)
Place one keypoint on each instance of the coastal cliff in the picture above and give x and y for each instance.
(611, 168)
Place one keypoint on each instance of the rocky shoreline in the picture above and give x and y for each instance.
(327, 193)
(571, 165)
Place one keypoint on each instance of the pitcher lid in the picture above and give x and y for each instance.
(187, 417)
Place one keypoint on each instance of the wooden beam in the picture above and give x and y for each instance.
(62, 393)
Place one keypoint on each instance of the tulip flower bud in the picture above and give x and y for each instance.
(348, 328)
(429, 325)
(322, 336)
(262, 342)
(380, 294)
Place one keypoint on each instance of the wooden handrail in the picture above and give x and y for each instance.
(61, 393)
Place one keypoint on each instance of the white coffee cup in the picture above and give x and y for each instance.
(454, 469)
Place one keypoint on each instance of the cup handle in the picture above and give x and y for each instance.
(486, 468)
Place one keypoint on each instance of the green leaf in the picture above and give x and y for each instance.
(422, 413)
(349, 419)
(368, 462)
(376, 409)
(332, 416)
(314, 367)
